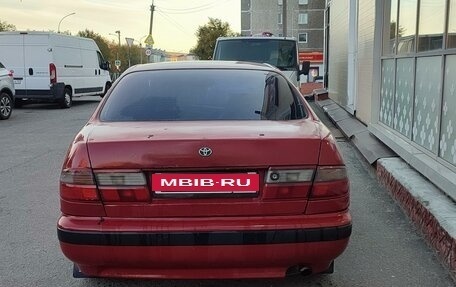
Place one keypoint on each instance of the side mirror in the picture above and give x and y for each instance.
(305, 67)
(106, 66)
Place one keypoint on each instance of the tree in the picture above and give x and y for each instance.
(102, 43)
(4, 26)
(207, 36)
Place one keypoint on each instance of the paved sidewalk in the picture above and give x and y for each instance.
(429, 209)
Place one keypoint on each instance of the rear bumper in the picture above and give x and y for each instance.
(202, 248)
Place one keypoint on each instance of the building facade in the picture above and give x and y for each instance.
(304, 19)
(392, 64)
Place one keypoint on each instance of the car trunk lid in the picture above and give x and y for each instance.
(173, 147)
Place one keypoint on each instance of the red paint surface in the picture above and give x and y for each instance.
(243, 261)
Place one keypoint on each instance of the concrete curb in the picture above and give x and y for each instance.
(430, 210)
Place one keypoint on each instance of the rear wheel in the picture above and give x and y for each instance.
(330, 269)
(19, 103)
(67, 100)
(107, 87)
(6, 106)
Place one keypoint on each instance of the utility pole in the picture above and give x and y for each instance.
(152, 9)
(284, 17)
(118, 50)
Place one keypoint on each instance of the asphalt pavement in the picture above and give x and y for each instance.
(385, 249)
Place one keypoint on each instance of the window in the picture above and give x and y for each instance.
(303, 2)
(431, 25)
(279, 20)
(202, 95)
(389, 42)
(280, 2)
(245, 5)
(407, 26)
(302, 37)
(302, 18)
(451, 39)
(277, 52)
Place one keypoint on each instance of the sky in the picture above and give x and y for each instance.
(174, 26)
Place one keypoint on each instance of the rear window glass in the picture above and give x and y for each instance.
(1, 66)
(202, 94)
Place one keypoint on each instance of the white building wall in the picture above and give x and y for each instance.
(338, 51)
(365, 61)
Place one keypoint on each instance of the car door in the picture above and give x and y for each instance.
(37, 53)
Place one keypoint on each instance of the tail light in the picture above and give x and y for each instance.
(78, 191)
(83, 191)
(330, 190)
(11, 73)
(123, 186)
(326, 188)
(288, 183)
(78, 185)
(52, 73)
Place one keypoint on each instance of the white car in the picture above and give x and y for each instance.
(6, 93)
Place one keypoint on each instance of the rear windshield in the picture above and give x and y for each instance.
(277, 52)
(206, 94)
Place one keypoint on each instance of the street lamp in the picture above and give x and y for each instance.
(118, 36)
(129, 43)
(58, 29)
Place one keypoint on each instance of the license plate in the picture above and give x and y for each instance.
(205, 183)
(17, 82)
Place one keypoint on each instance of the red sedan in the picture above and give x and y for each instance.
(203, 170)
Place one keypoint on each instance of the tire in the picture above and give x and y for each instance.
(67, 101)
(107, 87)
(330, 269)
(6, 106)
(19, 103)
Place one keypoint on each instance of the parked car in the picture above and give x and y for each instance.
(7, 92)
(203, 170)
(54, 67)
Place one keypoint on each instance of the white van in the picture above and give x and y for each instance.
(54, 67)
(277, 51)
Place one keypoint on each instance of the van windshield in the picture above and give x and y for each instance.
(277, 52)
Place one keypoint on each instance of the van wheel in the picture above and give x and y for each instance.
(107, 87)
(19, 103)
(6, 106)
(67, 100)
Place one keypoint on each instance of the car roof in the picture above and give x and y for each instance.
(189, 65)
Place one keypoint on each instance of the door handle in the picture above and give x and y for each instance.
(30, 71)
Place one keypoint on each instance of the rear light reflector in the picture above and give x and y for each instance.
(283, 183)
(77, 176)
(115, 179)
(330, 191)
(78, 185)
(78, 192)
(52, 73)
(127, 194)
(330, 173)
(330, 182)
(289, 175)
(123, 186)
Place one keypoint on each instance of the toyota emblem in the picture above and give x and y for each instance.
(205, 151)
